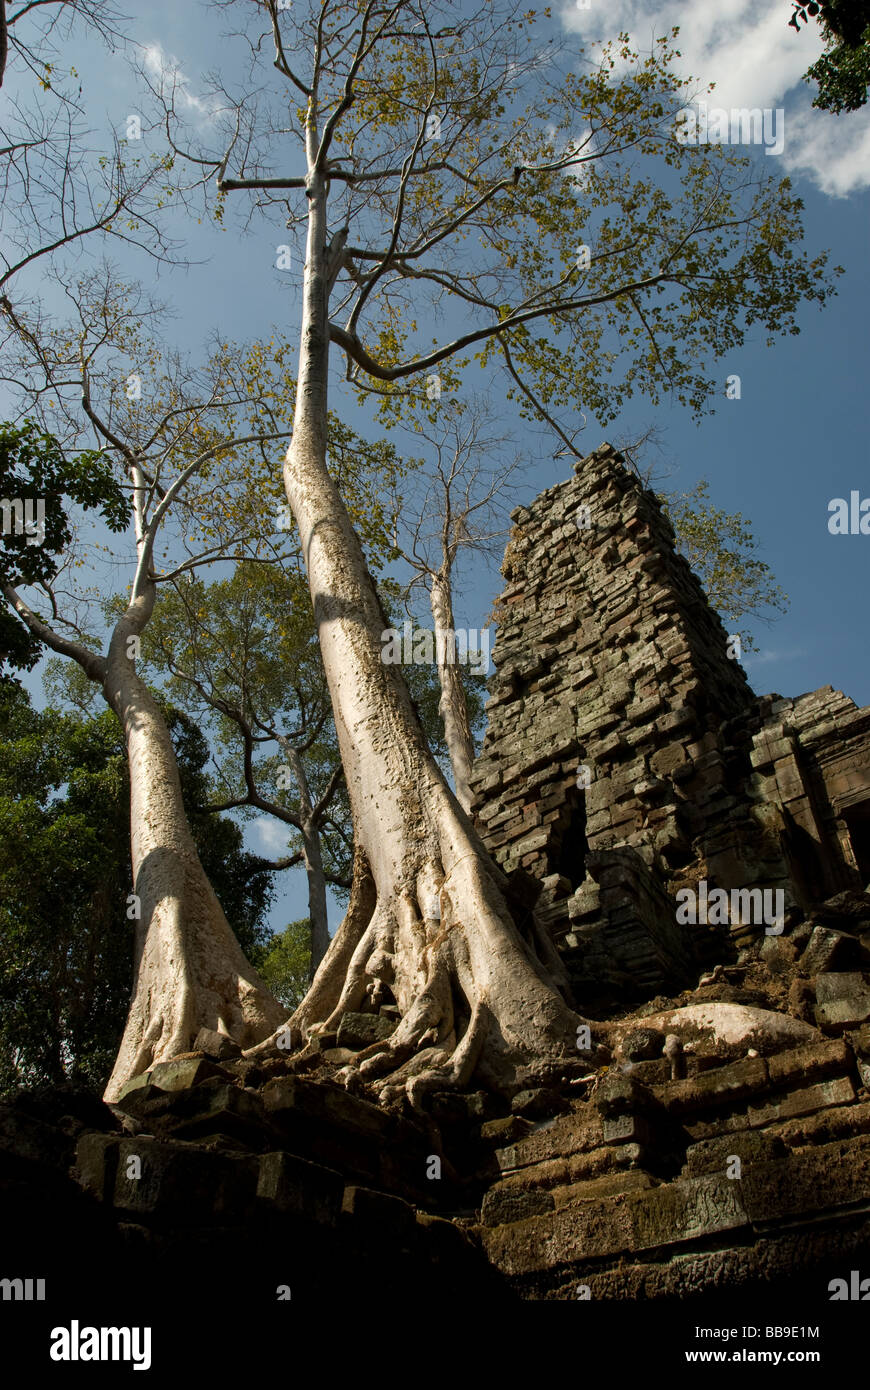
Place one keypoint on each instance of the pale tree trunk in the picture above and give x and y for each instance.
(317, 909)
(428, 919)
(451, 706)
(313, 856)
(189, 970)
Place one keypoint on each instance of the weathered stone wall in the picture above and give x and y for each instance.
(627, 757)
(812, 761)
(216, 1185)
(745, 1177)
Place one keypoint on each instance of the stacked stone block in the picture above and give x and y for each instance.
(743, 1177)
(627, 757)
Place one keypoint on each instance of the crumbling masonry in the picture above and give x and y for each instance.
(613, 670)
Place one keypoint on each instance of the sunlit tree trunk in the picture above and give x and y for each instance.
(438, 935)
(452, 706)
(189, 970)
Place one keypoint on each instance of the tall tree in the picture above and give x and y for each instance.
(442, 172)
(190, 971)
(454, 505)
(242, 653)
(66, 886)
(162, 425)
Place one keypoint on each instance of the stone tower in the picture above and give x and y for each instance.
(627, 756)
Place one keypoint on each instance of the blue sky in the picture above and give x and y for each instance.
(796, 438)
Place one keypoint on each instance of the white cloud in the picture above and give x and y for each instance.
(769, 656)
(834, 151)
(269, 835)
(171, 78)
(754, 58)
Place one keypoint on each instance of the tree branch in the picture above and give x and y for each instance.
(355, 350)
(321, 806)
(93, 665)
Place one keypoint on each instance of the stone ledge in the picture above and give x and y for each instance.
(819, 1183)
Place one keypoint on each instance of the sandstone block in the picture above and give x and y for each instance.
(501, 1206)
(298, 1188)
(826, 947)
(804, 1102)
(842, 999)
(356, 1031)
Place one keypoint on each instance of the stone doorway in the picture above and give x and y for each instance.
(569, 846)
(857, 818)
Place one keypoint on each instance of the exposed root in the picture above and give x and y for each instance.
(458, 1071)
(480, 988)
(329, 984)
(467, 1004)
(190, 973)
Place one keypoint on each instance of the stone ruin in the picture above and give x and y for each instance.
(627, 760)
(613, 671)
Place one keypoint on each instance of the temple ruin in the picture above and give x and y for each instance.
(628, 768)
(627, 757)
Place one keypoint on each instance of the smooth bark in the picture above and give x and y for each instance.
(452, 706)
(439, 937)
(189, 970)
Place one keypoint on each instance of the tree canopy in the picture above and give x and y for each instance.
(39, 480)
(842, 73)
(462, 197)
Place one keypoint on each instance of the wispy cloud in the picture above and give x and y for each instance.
(755, 59)
(269, 836)
(769, 656)
(171, 77)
